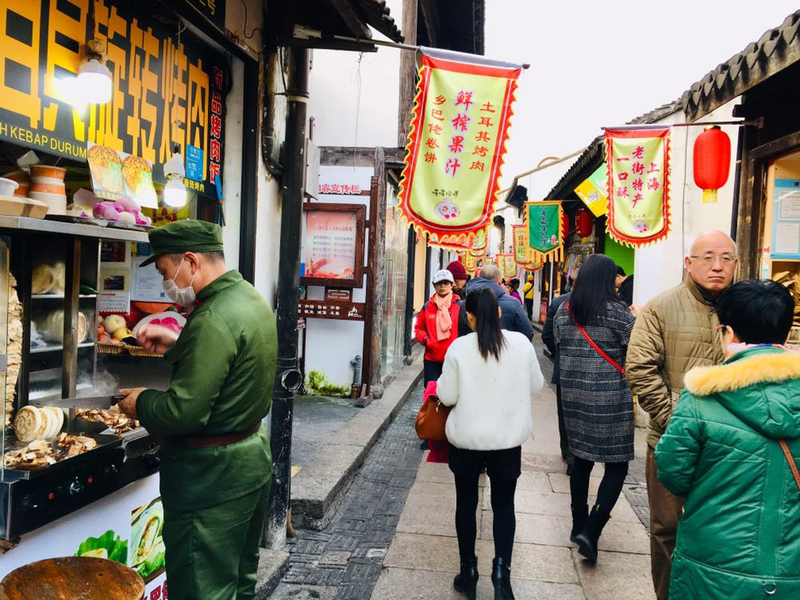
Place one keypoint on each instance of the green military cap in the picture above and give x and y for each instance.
(190, 235)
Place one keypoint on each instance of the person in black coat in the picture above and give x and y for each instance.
(624, 285)
(513, 317)
(549, 340)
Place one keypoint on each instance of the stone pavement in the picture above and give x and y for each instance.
(394, 538)
(423, 556)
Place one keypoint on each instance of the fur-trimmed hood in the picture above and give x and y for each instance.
(760, 385)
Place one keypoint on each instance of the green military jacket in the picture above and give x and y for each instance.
(223, 370)
(738, 536)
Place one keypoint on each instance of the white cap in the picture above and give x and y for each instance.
(442, 275)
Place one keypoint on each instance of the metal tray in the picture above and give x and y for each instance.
(104, 444)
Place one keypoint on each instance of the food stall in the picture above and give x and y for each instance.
(78, 477)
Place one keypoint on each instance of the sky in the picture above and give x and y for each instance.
(603, 63)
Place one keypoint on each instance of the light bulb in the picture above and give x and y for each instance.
(94, 82)
(175, 192)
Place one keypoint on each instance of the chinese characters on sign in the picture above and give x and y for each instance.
(456, 146)
(638, 184)
(162, 91)
(333, 244)
(523, 254)
(545, 235)
(340, 189)
(213, 10)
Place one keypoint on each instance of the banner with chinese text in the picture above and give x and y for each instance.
(508, 267)
(545, 234)
(523, 254)
(167, 90)
(593, 192)
(470, 263)
(456, 145)
(638, 185)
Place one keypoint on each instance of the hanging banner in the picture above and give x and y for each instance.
(521, 244)
(508, 267)
(456, 145)
(593, 192)
(545, 234)
(638, 185)
(488, 260)
(470, 263)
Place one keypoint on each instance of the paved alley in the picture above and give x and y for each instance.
(394, 537)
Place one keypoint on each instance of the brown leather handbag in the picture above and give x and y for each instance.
(431, 420)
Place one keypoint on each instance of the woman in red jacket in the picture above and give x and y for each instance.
(437, 324)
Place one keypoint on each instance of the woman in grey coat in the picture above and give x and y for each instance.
(592, 331)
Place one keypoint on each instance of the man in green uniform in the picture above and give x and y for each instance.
(216, 466)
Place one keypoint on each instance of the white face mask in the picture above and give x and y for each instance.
(183, 296)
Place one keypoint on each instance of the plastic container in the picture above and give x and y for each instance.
(7, 186)
(24, 181)
(56, 203)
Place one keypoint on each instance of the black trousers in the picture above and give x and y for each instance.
(431, 371)
(529, 307)
(503, 468)
(610, 486)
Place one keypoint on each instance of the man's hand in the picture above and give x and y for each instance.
(128, 404)
(155, 338)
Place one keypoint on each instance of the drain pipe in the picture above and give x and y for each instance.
(288, 378)
(356, 387)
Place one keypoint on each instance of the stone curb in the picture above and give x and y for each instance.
(319, 488)
(272, 566)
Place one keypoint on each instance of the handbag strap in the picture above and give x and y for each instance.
(790, 460)
(598, 349)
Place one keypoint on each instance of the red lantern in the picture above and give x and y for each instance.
(583, 222)
(564, 225)
(712, 161)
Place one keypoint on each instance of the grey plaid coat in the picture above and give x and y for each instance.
(597, 402)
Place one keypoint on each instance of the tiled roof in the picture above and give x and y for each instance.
(776, 50)
(376, 14)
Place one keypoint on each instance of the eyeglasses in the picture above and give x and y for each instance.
(710, 259)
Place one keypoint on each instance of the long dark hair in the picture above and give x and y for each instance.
(482, 305)
(594, 289)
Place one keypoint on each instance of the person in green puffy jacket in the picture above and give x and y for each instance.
(739, 536)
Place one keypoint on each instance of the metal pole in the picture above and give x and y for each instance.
(287, 378)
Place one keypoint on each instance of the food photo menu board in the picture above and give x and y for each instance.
(333, 244)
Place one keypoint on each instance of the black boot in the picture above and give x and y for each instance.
(587, 539)
(467, 580)
(501, 578)
(579, 517)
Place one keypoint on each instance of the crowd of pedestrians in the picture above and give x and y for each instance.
(706, 360)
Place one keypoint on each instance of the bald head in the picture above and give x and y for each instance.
(712, 238)
(492, 273)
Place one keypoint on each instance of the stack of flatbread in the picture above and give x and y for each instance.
(14, 346)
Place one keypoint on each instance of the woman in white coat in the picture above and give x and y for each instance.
(488, 378)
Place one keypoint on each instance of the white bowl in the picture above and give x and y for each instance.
(45, 197)
(7, 186)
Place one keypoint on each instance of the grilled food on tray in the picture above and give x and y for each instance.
(33, 423)
(39, 453)
(112, 418)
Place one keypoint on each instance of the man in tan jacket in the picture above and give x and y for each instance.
(675, 332)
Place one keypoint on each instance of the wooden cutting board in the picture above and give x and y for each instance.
(72, 578)
(17, 206)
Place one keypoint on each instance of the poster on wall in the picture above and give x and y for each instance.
(168, 89)
(786, 219)
(333, 243)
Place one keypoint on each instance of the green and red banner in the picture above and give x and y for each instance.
(545, 234)
(638, 184)
(456, 145)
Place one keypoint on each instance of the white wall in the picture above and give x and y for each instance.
(354, 96)
(660, 266)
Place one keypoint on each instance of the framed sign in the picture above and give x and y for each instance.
(786, 219)
(334, 245)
